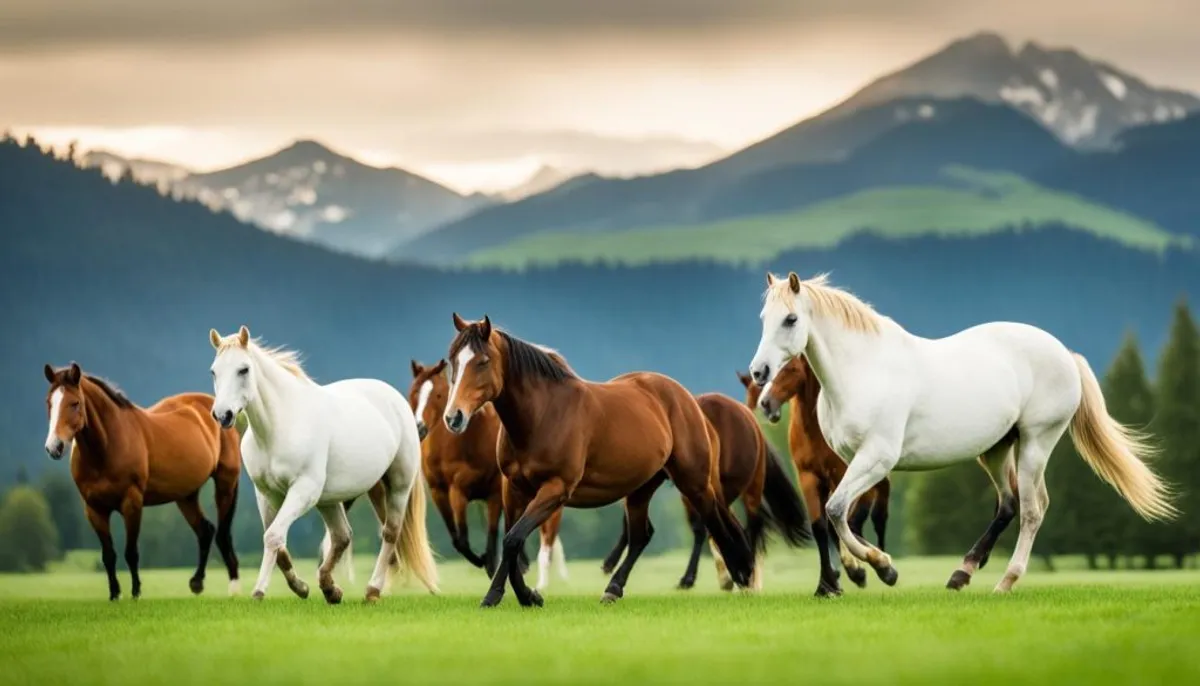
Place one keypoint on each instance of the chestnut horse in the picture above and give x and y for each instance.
(124, 458)
(818, 467)
(750, 470)
(569, 442)
(463, 468)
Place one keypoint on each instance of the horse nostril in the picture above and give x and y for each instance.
(760, 375)
(422, 430)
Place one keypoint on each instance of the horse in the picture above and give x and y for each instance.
(893, 400)
(569, 442)
(309, 445)
(463, 468)
(750, 470)
(125, 458)
(818, 469)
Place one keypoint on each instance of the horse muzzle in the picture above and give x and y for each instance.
(456, 421)
(772, 411)
(56, 449)
(761, 375)
(225, 419)
(422, 430)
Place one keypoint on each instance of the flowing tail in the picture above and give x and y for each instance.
(1116, 452)
(785, 510)
(416, 555)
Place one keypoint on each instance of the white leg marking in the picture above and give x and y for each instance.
(543, 567)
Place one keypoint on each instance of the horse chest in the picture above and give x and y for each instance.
(844, 432)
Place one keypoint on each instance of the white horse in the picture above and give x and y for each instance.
(1002, 391)
(309, 445)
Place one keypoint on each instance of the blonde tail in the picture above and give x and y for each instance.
(414, 550)
(1116, 452)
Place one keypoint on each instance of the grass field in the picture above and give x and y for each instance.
(975, 203)
(1065, 627)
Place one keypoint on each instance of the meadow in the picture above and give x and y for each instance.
(1059, 627)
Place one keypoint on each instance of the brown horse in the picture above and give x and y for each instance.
(819, 468)
(569, 442)
(750, 470)
(124, 458)
(462, 468)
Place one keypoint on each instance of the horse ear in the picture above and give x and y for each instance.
(794, 282)
(745, 379)
(485, 327)
(417, 368)
(214, 338)
(243, 336)
(74, 374)
(770, 279)
(459, 322)
(49, 371)
(437, 368)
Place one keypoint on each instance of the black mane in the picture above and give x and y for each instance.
(114, 394)
(524, 359)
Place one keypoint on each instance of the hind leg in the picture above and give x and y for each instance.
(699, 536)
(614, 556)
(691, 476)
(1033, 451)
(756, 525)
(226, 497)
(637, 515)
(1000, 467)
(495, 505)
(340, 534)
(549, 535)
(879, 511)
(204, 530)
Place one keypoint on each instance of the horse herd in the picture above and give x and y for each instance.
(508, 422)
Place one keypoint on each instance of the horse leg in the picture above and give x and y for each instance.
(879, 511)
(1033, 451)
(442, 500)
(378, 497)
(511, 513)
(756, 523)
(515, 502)
(226, 496)
(614, 556)
(108, 553)
(691, 469)
(272, 557)
(495, 504)
(699, 535)
(637, 516)
(861, 512)
(462, 539)
(871, 465)
(131, 512)
(827, 584)
(337, 526)
(551, 496)
(999, 465)
(204, 530)
(549, 534)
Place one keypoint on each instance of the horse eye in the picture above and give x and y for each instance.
(243, 371)
(789, 321)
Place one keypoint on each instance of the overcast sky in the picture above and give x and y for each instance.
(479, 93)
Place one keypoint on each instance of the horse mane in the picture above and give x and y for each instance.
(523, 359)
(110, 389)
(828, 301)
(288, 359)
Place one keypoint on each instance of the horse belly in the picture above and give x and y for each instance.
(958, 426)
(357, 461)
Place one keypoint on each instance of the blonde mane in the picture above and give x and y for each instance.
(288, 359)
(828, 301)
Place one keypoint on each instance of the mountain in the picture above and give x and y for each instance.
(149, 172)
(1084, 101)
(311, 192)
(542, 180)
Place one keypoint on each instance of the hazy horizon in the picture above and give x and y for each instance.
(480, 95)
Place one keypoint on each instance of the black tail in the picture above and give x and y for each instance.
(783, 506)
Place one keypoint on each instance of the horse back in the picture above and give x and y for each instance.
(741, 441)
(660, 405)
(184, 445)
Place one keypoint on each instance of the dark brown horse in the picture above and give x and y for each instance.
(750, 470)
(569, 442)
(818, 467)
(462, 468)
(125, 458)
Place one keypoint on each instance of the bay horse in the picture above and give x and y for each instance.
(570, 442)
(125, 458)
(818, 468)
(309, 445)
(463, 468)
(893, 400)
(750, 470)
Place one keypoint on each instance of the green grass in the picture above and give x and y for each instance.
(984, 203)
(1065, 627)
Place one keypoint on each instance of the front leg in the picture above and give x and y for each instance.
(495, 505)
(872, 463)
(108, 553)
(131, 512)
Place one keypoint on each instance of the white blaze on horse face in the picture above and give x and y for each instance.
(423, 399)
(232, 381)
(56, 400)
(784, 336)
(460, 365)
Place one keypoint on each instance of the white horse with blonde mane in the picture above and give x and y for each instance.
(1002, 392)
(308, 445)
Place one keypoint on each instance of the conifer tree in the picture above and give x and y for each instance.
(1177, 426)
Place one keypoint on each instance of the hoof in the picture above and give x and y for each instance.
(259, 595)
(235, 587)
(609, 598)
(534, 600)
(726, 584)
(686, 584)
(196, 585)
(299, 588)
(828, 590)
(958, 580)
(888, 575)
(607, 569)
(858, 575)
(492, 599)
(373, 594)
(333, 595)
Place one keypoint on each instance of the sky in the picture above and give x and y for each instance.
(478, 94)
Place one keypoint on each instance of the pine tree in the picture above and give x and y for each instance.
(948, 509)
(1177, 425)
(28, 540)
